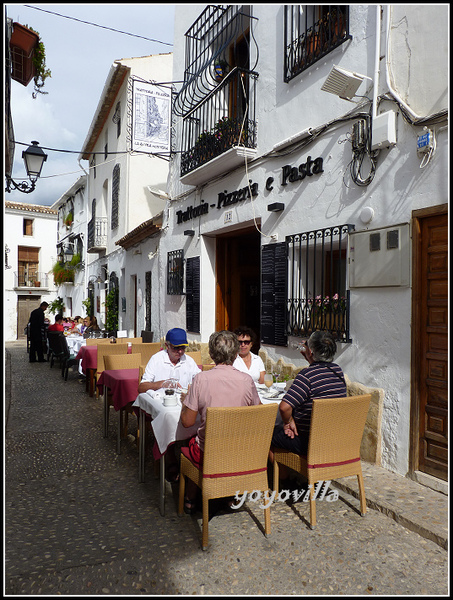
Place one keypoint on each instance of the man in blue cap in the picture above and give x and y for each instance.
(170, 363)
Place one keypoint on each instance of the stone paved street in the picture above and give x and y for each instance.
(77, 522)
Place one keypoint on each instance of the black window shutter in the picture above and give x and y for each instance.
(273, 294)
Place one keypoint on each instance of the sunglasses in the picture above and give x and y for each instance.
(245, 342)
(176, 348)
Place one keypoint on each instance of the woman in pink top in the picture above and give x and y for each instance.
(221, 386)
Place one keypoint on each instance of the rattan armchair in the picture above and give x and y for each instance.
(236, 451)
(113, 362)
(146, 350)
(336, 432)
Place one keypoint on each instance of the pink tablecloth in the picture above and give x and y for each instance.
(123, 384)
(89, 357)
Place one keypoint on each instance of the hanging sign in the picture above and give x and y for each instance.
(151, 107)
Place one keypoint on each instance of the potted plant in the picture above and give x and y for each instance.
(22, 44)
(57, 306)
(68, 220)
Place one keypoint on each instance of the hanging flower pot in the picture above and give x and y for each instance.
(22, 44)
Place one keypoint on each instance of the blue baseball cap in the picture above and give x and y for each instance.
(177, 337)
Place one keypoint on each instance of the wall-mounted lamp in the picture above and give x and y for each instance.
(276, 207)
(189, 232)
(34, 159)
(343, 83)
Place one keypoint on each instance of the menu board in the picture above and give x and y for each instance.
(193, 294)
(273, 294)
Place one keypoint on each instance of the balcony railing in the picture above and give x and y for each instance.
(97, 234)
(225, 119)
(33, 280)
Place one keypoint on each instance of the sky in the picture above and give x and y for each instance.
(79, 56)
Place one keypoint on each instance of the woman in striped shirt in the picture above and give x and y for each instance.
(321, 379)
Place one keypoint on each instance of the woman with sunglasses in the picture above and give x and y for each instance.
(246, 361)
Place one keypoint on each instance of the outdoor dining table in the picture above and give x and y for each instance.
(167, 429)
(123, 384)
(75, 342)
(88, 355)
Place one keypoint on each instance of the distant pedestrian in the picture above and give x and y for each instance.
(36, 323)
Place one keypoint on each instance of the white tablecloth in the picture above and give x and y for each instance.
(165, 422)
(75, 342)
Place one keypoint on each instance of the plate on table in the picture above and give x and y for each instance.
(274, 395)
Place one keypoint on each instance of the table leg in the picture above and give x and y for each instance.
(90, 376)
(141, 447)
(120, 430)
(106, 411)
(162, 486)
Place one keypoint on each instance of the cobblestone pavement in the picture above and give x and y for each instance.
(77, 522)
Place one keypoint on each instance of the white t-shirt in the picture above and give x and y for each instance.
(160, 367)
(256, 366)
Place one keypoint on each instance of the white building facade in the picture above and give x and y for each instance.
(294, 207)
(69, 268)
(30, 235)
(127, 149)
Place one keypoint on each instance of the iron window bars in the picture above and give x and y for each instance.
(175, 272)
(317, 294)
(311, 32)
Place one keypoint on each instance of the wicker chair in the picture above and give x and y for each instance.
(113, 362)
(336, 432)
(145, 350)
(196, 356)
(97, 341)
(132, 340)
(235, 458)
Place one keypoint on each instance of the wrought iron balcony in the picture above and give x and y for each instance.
(224, 120)
(97, 235)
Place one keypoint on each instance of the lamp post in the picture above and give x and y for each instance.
(34, 159)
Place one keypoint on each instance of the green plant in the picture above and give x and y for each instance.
(62, 274)
(57, 306)
(87, 304)
(41, 70)
(111, 304)
(69, 220)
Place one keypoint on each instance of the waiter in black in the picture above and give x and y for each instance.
(36, 324)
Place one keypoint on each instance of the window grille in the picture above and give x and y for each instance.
(115, 196)
(317, 294)
(311, 32)
(175, 272)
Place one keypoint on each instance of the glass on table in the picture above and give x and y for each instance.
(268, 380)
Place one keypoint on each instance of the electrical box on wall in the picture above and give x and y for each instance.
(380, 257)
(383, 132)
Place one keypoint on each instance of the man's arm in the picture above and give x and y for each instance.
(188, 416)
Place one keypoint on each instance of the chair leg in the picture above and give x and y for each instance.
(182, 489)
(362, 494)
(205, 534)
(312, 507)
(275, 483)
(267, 520)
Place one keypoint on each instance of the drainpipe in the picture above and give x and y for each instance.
(377, 54)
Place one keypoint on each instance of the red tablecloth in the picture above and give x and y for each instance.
(89, 357)
(123, 384)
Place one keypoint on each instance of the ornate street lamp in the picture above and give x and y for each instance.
(34, 159)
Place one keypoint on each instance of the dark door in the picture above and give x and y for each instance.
(433, 349)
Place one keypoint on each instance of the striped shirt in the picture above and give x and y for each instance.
(319, 380)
